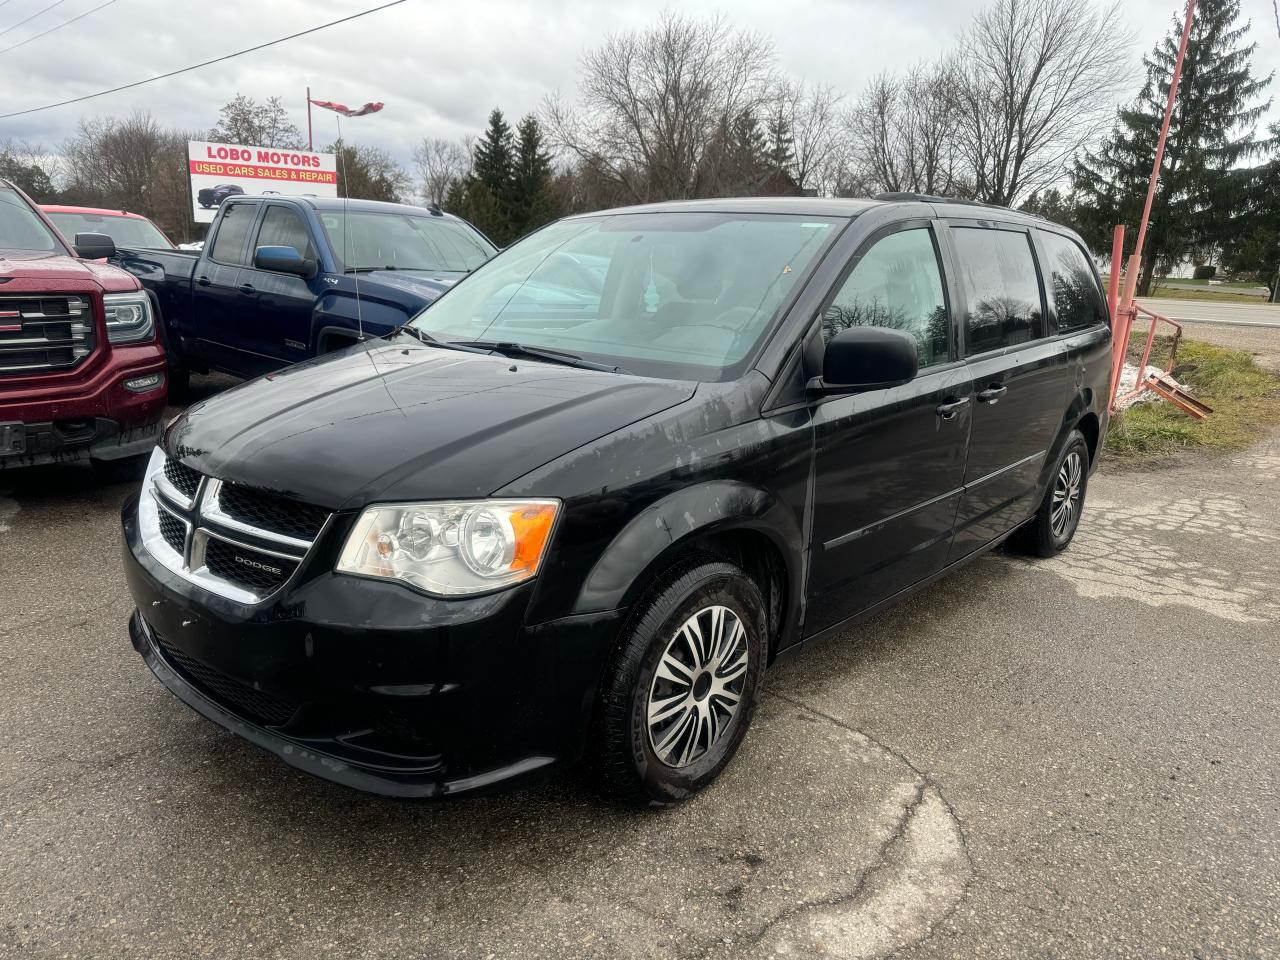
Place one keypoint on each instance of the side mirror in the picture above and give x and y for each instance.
(866, 358)
(94, 246)
(282, 260)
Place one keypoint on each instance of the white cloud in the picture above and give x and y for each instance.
(441, 66)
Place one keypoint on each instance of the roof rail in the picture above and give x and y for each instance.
(930, 198)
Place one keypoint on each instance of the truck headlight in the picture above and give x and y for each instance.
(129, 318)
(451, 548)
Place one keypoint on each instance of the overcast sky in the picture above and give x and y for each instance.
(441, 65)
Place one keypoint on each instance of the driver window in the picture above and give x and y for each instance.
(896, 284)
(282, 227)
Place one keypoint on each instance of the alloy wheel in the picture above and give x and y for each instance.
(697, 687)
(1066, 495)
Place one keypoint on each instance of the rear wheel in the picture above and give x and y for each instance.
(683, 687)
(1055, 523)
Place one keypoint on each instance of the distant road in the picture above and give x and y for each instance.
(1212, 311)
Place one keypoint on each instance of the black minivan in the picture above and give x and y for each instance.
(581, 502)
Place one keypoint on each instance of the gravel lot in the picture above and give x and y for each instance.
(1067, 758)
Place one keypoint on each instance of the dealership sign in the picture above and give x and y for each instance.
(222, 170)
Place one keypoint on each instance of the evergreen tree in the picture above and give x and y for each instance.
(531, 204)
(1051, 205)
(493, 163)
(487, 195)
(1255, 245)
(748, 153)
(1210, 135)
(781, 144)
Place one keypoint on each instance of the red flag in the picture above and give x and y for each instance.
(346, 111)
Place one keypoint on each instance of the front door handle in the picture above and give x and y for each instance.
(203, 281)
(949, 409)
(993, 393)
(246, 288)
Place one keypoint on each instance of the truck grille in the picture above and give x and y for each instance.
(233, 540)
(44, 333)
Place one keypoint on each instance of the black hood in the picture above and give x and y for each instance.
(402, 420)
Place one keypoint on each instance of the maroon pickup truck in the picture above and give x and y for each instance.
(82, 370)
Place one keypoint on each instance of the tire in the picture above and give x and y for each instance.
(694, 741)
(1054, 526)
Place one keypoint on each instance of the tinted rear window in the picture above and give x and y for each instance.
(1077, 299)
(1002, 294)
(228, 245)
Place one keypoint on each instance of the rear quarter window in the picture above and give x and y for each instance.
(1077, 298)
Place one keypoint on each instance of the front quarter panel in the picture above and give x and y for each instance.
(635, 498)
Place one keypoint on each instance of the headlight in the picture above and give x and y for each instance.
(452, 548)
(128, 317)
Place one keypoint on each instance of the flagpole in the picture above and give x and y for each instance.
(311, 144)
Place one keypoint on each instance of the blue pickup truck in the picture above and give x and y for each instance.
(281, 279)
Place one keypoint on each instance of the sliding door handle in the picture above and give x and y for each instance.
(949, 409)
(992, 393)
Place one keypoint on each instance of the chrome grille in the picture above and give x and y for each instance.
(174, 531)
(40, 333)
(247, 555)
(184, 479)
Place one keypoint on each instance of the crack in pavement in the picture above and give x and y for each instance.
(849, 923)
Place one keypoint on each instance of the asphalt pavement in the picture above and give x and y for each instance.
(1216, 312)
(1076, 758)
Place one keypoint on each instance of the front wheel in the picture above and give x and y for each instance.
(1054, 525)
(684, 684)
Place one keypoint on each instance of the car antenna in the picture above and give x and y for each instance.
(346, 227)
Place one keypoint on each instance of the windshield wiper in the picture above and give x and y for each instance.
(509, 349)
(424, 337)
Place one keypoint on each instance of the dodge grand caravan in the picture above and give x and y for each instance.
(581, 502)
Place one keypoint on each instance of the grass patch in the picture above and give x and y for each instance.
(1206, 293)
(1245, 400)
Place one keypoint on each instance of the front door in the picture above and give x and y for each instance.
(215, 297)
(1020, 380)
(273, 327)
(888, 464)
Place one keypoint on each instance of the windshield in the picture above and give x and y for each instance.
(683, 295)
(397, 241)
(125, 231)
(22, 229)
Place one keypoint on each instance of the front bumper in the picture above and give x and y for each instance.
(69, 418)
(369, 684)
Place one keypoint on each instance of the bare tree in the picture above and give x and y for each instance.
(131, 164)
(267, 124)
(1038, 80)
(441, 163)
(876, 131)
(654, 107)
(811, 117)
(903, 132)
